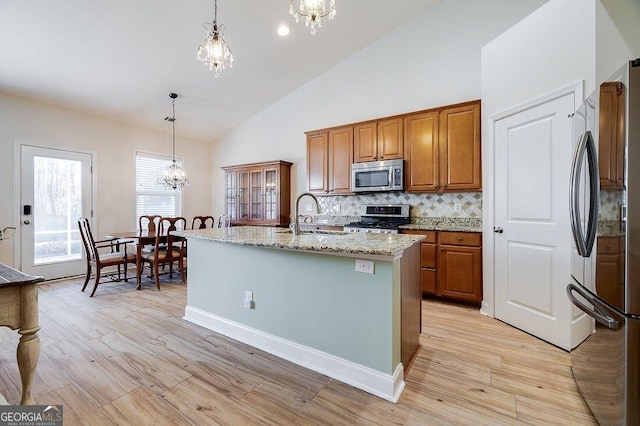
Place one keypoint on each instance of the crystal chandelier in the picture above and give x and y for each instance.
(214, 51)
(173, 176)
(313, 12)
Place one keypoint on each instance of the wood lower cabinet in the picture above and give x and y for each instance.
(258, 193)
(451, 265)
(329, 159)
(610, 270)
(611, 140)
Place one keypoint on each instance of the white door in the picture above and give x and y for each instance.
(533, 153)
(55, 190)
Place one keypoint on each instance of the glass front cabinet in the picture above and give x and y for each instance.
(258, 193)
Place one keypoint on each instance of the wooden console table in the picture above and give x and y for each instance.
(19, 311)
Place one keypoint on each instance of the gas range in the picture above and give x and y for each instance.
(382, 219)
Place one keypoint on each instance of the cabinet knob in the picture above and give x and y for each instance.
(459, 238)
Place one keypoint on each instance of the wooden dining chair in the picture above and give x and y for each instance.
(224, 221)
(168, 248)
(149, 223)
(102, 253)
(201, 222)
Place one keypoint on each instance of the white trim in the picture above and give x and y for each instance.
(488, 179)
(17, 188)
(375, 382)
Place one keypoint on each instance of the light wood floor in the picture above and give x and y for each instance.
(127, 357)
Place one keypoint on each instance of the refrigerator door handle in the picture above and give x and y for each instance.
(574, 195)
(594, 183)
(598, 311)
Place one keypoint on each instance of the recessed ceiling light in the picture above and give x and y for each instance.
(283, 30)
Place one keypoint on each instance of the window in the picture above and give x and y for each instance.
(151, 197)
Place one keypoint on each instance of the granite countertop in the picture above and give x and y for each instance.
(456, 224)
(356, 243)
(609, 228)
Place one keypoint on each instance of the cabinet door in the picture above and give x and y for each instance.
(340, 159)
(459, 273)
(243, 197)
(421, 152)
(257, 195)
(317, 162)
(459, 144)
(611, 135)
(230, 195)
(365, 143)
(390, 141)
(271, 191)
(608, 278)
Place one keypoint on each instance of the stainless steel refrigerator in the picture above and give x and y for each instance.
(606, 179)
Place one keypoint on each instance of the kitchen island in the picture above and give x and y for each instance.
(300, 297)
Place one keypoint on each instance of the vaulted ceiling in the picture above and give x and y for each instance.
(120, 58)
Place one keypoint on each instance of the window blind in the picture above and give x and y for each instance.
(151, 196)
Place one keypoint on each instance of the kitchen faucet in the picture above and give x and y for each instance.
(296, 220)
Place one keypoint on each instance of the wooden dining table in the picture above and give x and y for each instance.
(19, 311)
(141, 238)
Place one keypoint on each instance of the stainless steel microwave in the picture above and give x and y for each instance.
(387, 175)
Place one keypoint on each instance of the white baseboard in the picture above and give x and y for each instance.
(369, 380)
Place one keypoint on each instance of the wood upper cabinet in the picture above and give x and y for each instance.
(421, 152)
(340, 160)
(377, 141)
(460, 148)
(611, 135)
(329, 158)
(317, 162)
(258, 193)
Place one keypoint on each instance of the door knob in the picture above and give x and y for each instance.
(498, 230)
(26, 222)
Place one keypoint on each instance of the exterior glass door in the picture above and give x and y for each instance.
(55, 189)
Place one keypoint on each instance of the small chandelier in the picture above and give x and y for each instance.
(313, 12)
(214, 51)
(173, 176)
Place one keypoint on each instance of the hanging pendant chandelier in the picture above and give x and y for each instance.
(214, 51)
(173, 177)
(314, 12)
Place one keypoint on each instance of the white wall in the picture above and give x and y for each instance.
(430, 61)
(114, 144)
(618, 35)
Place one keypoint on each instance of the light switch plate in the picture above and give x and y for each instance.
(364, 266)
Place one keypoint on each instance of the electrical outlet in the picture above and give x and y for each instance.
(336, 208)
(248, 300)
(248, 295)
(457, 207)
(309, 207)
(364, 266)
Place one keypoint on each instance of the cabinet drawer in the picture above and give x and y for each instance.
(609, 245)
(430, 236)
(473, 239)
(427, 255)
(428, 280)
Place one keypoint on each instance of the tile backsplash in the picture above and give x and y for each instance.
(610, 202)
(453, 204)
